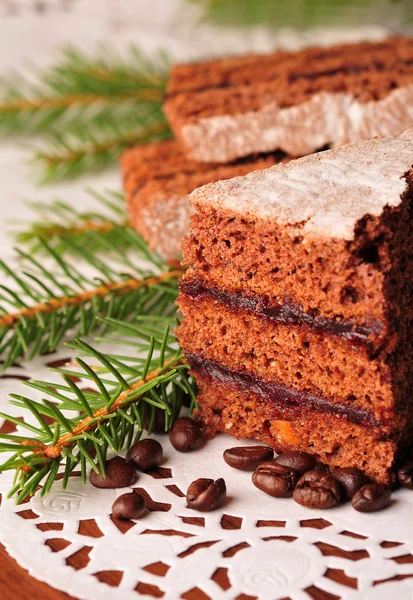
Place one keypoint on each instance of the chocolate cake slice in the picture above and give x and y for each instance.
(298, 304)
(298, 102)
(158, 178)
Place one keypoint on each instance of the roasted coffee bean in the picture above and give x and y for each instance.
(206, 494)
(275, 479)
(321, 467)
(118, 474)
(316, 489)
(155, 420)
(145, 454)
(128, 506)
(405, 474)
(186, 434)
(247, 458)
(297, 460)
(351, 480)
(371, 497)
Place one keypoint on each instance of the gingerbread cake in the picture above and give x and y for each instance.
(298, 102)
(298, 304)
(158, 178)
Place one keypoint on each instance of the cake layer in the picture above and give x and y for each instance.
(339, 373)
(228, 403)
(297, 102)
(158, 178)
(289, 313)
(326, 233)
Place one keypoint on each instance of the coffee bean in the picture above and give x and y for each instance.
(316, 489)
(321, 467)
(128, 506)
(118, 474)
(371, 497)
(351, 480)
(275, 479)
(145, 454)
(158, 421)
(297, 460)
(206, 494)
(186, 434)
(247, 458)
(405, 474)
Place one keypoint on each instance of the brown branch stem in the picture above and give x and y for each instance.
(48, 231)
(89, 424)
(63, 102)
(118, 288)
(125, 140)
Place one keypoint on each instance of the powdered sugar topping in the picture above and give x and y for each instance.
(322, 195)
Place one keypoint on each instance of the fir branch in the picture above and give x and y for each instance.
(92, 230)
(89, 150)
(46, 304)
(304, 13)
(87, 423)
(79, 90)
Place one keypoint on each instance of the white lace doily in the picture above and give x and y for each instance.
(256, 546)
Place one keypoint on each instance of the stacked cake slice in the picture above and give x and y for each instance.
(298, 102)
(298, 304)
(158, 179)
(228, 112)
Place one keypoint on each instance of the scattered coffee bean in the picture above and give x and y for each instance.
(118, 474)
(128, 506)
(186, 434)
(316, 489)
(275, 479)
(351, 480)
(297, 460)
(145, 454)
(206, 494)
(247, 458)
(371, 497)
(321, 467)
(157, 422)
(405, 474)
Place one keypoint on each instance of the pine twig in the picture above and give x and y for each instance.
(87, 150)
(79, 91)
(130, 391)
(91, 230)
(81, 298)
(90, 423)
(46, 304)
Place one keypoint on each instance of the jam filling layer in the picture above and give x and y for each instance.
(288, 313)
(280, 396)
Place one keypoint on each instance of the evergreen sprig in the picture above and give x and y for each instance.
(80, 90)
(305, 13)
(69, 155)
(90, 109)
(75, 427)
(92, 230)
(50, 297)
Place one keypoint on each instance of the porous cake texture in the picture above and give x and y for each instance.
(298, 304)
(158, 178)
(298, 102)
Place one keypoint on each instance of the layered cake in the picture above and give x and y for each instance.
(298, 102)
(298, 307)
(158, 178)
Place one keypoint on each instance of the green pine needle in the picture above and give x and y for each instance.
(80, 90)
(90, 109)
(129, 392)
(92, 230)
(44, 305)
(305, 13)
